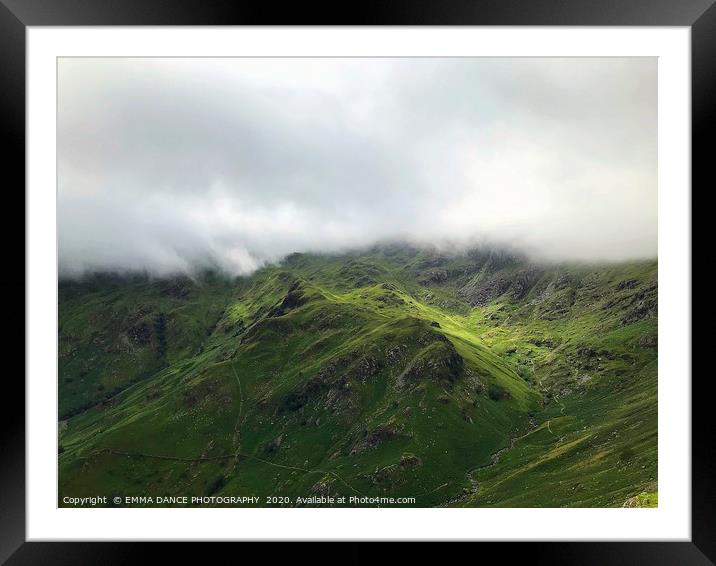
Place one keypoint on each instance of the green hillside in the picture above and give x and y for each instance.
(478, 379)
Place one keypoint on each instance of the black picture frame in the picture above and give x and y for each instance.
(16, 15)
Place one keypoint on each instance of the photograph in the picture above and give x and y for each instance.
(350, 282)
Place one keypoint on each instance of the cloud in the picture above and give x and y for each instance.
(166, 164)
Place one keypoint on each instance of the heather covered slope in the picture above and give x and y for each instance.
(471, 379)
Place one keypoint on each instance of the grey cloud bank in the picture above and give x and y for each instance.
(165, 164)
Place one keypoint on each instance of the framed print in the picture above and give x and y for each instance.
(290, 278)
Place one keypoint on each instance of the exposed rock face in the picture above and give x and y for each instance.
(438, 362)
(644, 305)
(312, 389)
(395, 354)
(586, 352)
(482, 290)
(558, 304)
(523, 282)
(177, 287)
(388, 474)
(367, 367)
(140, 333)
(409, 461)
(639, 305)
(563, 281)
(335, 383)
(434, 276)
(480, 294)
(274, 445)
(293, 299)
(395, 473)
(627, 284)
(323, 487)
(376, 437)
(390, 299)
(544, 343)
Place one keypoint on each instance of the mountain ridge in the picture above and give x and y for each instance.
(458, 379)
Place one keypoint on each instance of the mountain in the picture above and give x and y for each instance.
(463, 379)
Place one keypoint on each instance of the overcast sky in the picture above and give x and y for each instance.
(164, 164)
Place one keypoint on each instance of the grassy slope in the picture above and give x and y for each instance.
(459, 381)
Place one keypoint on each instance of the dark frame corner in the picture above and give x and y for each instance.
(16, 15)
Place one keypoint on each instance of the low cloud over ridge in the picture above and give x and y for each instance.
(165, 164)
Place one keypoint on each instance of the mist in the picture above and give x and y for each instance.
(169, 164)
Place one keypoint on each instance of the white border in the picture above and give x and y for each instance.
(671, 521)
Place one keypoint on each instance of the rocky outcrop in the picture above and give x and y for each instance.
(644, 305)
(437, 362)
(480, 294)
(482, 290)
(140, 333)
(523, 281)
(409, 461)
(627, 284)
(295, 297)
(376, 437)
(335, 384)
(179, 287)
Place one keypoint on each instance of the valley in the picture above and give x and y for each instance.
(478, 379)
